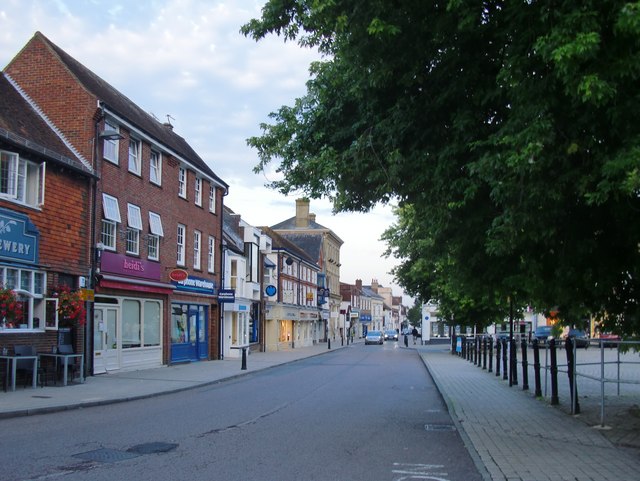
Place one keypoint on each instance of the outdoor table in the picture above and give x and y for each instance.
(65, 361)
(12, 362)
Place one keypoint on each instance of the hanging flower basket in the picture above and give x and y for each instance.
(71, 311)
(10, 308)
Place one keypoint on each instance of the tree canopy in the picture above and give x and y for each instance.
(507, 132)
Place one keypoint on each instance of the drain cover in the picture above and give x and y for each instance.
(152, 448)
(106, 455)
(439, 427)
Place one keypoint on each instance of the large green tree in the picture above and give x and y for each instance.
(508, 131)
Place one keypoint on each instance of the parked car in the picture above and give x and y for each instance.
(374, 337)
(579, 337)
(542, 334)
(610, 340)
(390, 335)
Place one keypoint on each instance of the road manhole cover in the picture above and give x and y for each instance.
(106, 455)
(152, 448)
(439, 427)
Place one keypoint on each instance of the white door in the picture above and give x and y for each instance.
(106, 339)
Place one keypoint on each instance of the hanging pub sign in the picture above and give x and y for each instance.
(19, 237)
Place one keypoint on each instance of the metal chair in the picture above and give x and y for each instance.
(24, 367)
(73, 366)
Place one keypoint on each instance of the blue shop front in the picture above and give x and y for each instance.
(193, 307)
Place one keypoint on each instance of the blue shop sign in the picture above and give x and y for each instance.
(196, 284)
(19, 237)
(227, 295)
(365, 318)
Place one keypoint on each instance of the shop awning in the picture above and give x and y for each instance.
(131, 284)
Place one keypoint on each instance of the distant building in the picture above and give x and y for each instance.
(323, 246)
(292, 317)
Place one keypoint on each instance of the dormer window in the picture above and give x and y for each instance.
(21, 180)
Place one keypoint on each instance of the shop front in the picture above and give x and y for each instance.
(191, 312)
(280, 326)
(22, 279)
(237, 316)
(128, 314)
(365, 322)
(305, 330)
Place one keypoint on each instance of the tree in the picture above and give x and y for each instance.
(510, 130)
(414, 314)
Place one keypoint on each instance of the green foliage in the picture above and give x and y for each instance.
(507, 133)
(414, 314)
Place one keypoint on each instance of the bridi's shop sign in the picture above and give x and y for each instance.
(19, 237)
(196, 284)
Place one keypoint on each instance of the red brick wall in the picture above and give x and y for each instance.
(38, 71)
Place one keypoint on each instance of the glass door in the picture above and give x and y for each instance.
(106, 339)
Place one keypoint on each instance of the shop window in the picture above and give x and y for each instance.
(25, 309)
(131, 324)
(152, 324)
(179, 324)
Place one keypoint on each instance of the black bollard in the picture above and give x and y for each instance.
(406, 341)
(573, 386)
(490, 341)
(484, 352)
(498, 346)
(505, 367)
(244, 359)
(536, 368)
(525, 366)
(513, 365)
(328, 343)
(554, 372)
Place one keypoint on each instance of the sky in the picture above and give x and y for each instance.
(185, 61)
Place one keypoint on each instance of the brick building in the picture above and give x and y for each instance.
(156, 210)
(44, 222)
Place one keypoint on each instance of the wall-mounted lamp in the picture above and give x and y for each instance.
(111, 135)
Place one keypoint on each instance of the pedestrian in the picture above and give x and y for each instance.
(414, 332)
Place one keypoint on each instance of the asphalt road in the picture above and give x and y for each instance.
(364, 413)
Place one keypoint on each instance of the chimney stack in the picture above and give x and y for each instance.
(302, 213)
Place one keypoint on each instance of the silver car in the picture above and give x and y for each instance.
(374, 337)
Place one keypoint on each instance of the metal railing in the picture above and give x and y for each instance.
(606, 362)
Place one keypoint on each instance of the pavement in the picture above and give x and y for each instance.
(510, 434)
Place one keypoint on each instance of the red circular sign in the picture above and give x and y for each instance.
(178, 275)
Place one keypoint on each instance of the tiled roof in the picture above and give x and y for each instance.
(280, 242)
(23, 127)
(308, 242)
(290, 224)
(231, 230)
(123, 106)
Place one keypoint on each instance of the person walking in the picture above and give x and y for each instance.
(414, 333)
